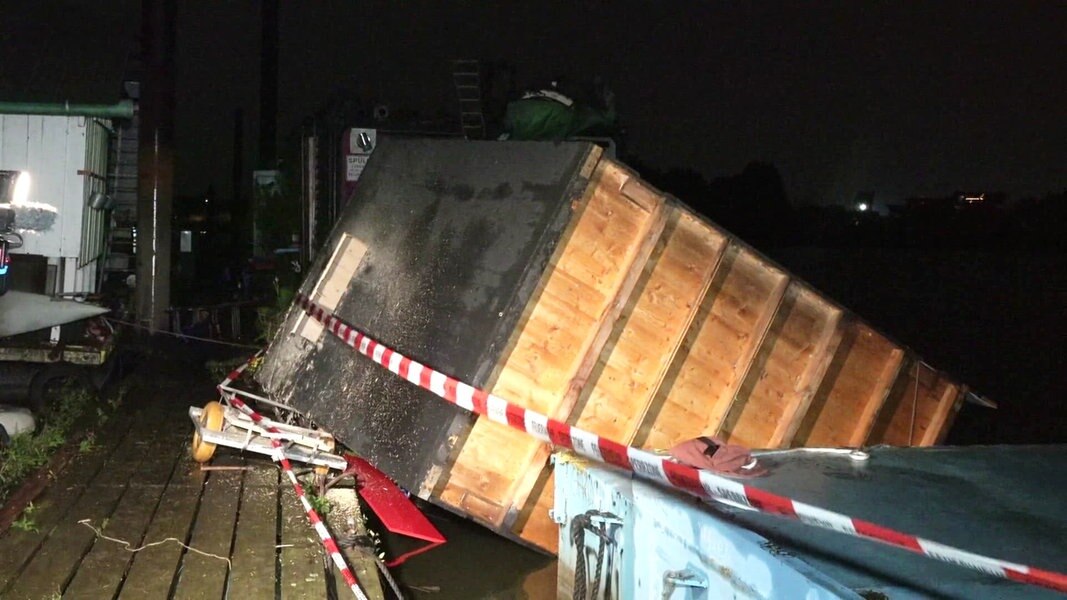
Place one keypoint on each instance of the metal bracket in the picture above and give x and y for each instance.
(685, 578)
(605, 520)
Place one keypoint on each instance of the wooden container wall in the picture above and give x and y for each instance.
(651, 326)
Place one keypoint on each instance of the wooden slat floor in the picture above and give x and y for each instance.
(139, 485)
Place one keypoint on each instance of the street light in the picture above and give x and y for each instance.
(14, 187)
(14, 191)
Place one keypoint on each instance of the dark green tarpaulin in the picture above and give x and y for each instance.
(546, 119)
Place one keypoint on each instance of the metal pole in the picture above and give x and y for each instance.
(122, 109)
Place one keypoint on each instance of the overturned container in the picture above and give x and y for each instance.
(556, 278)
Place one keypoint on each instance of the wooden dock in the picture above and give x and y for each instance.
(138, 484)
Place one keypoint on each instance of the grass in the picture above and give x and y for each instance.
(320, 503)
(77, 409)
(25, 521)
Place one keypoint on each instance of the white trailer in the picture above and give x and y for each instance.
(66, 157)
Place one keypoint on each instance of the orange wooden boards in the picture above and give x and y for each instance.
(558, 339)
(651, 326)
(923, 401)
(717, 352)
(636, 358)
(853, 391)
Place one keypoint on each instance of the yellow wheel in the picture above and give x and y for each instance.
(211, 418)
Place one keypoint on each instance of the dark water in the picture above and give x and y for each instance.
(474, 563)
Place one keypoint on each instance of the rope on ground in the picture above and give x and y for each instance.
(128, 546)
(179, 335)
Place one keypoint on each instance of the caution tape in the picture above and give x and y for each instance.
(313, 516)
(653, 467)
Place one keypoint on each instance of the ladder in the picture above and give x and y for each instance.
(466, 76)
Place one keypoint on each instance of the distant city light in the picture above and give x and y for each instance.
(863, 207)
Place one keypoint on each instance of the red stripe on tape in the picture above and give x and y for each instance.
(405, 364)
(877, 532)
(331, 547)
(1039, 577)
(479, 399)
(684, 477)
(516, 416)
(768, 502)
(560, 434)
(450, 388)
(614, 453)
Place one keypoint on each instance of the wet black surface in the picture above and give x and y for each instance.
(458, 234)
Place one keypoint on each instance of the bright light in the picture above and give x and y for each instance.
(22, 188)
(863, 206)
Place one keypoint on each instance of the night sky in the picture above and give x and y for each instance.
(895, 98)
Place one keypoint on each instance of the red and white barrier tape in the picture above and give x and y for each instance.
(316, 522)
(658, 468)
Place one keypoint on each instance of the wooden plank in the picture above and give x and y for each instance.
(203, 576)
(607, 323)
(346, 516)
(808, 384)
(635, 359)
(891, 370)
(155, 569)
(557, 341)
(591, 161)
(911, 407)
(347, 256)
(301, 574)
(947, 425)
(102, 570)
(17, 547)
(55, 564)
(853, 388)
(717, 352)
(535, 524)
(777, 375)
(52, 568)
(947, 407)
(254, 550)
(634, 366)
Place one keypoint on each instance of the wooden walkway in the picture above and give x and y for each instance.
(138, 485)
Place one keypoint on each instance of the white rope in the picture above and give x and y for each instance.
(127, 545)
(179, 335)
